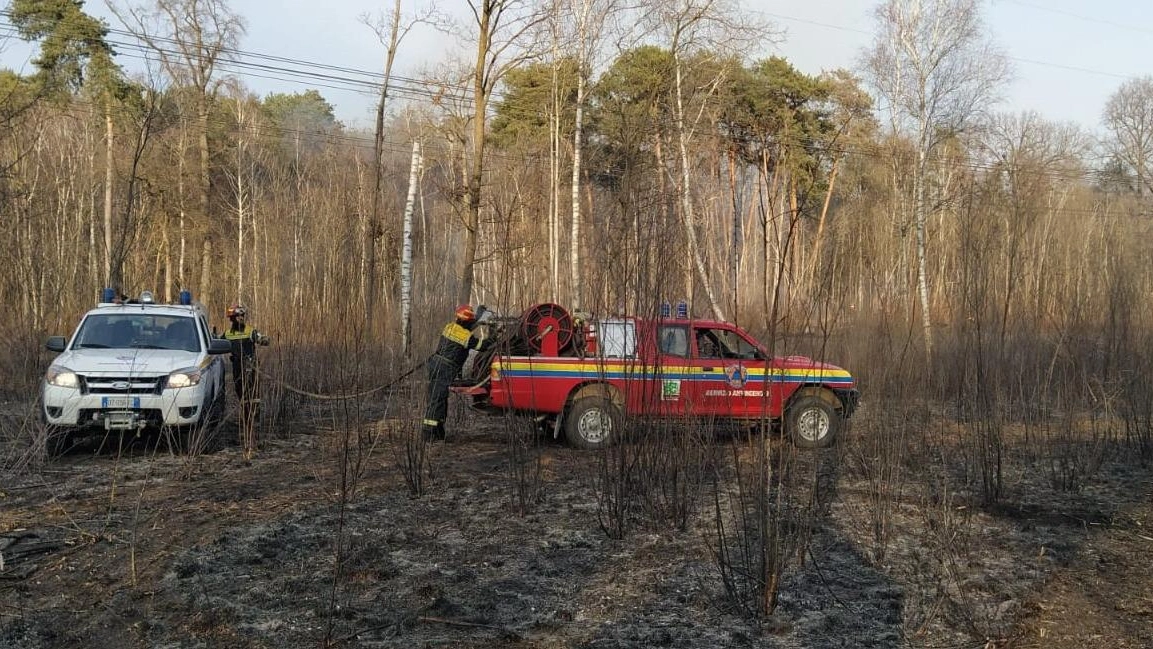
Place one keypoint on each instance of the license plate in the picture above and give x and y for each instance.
(120, 402)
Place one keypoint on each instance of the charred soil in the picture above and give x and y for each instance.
(145, 548)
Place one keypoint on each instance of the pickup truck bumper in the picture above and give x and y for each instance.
(173, 407)
(478, 395)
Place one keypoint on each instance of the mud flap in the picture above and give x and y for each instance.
(556, 426)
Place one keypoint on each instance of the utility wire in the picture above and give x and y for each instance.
(1081, 17)
(362, 81)
(355, 79)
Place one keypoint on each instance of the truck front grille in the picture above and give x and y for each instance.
(122, 384)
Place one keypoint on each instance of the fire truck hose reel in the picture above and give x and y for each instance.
(547, 328)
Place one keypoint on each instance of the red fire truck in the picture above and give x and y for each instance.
(582, 375)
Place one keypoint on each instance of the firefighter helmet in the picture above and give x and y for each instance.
(464, 313)
(236, 310)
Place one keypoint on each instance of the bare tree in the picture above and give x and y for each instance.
(245, 154)
(74, 52)
(1029, 158)
(501, 26)
(937, 70)
(710, 28)
(391, 30)
(1129, 118)
(588, 22)
(191, 38)
(406, 252)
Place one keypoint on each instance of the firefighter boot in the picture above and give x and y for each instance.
(433, 431)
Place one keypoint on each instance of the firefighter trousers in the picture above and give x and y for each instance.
(441, 373)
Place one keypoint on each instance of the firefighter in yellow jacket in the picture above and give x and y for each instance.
(244, 340)
(456, 340)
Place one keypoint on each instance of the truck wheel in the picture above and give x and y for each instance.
(592, 423)
(214, 410)
(57, 441)
(812, 422)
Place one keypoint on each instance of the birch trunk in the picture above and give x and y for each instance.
(181, 197)
(686, 195)
(554, 171)
(574, 246)
(920, 209)
(375, 226)
(240, 209)
(406, 253)
(109, 133)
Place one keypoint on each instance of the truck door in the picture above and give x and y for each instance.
(215, 363)
(732, 373)
(677, 389)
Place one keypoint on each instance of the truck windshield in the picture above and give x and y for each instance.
(137, 331)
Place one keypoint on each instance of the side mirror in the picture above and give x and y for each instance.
(219, 346)
(55, 344)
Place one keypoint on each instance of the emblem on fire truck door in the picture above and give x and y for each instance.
(670, 390)
(737, 376)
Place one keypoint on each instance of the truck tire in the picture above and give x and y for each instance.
(592, 423)
(214, 410)
(57, 441)
(812, 422)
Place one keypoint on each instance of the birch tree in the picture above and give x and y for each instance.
(937, 70)
(697, 29)
(588, 24)
(501, 29)
(391, 30)
(415, 167)
(242, 176)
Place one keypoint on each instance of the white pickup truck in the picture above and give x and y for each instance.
(132, 365)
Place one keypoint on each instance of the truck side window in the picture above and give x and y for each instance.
(733, 345)
(707, 345)
(674, 341)
(617, 338)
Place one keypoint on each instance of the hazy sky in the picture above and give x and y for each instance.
(1068, 55)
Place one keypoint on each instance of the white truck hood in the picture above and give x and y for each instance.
(130, 362)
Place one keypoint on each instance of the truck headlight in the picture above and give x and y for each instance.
(62, 377)
(185, 378)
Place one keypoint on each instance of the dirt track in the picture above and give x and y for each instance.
(149, 551)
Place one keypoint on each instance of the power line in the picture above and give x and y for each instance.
(289, 70)
(815, 23)
(362, 81)
(330, 76)
(1081, 17)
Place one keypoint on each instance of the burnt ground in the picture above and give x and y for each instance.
(144, 548)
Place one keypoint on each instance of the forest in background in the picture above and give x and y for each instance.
(607, 157)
